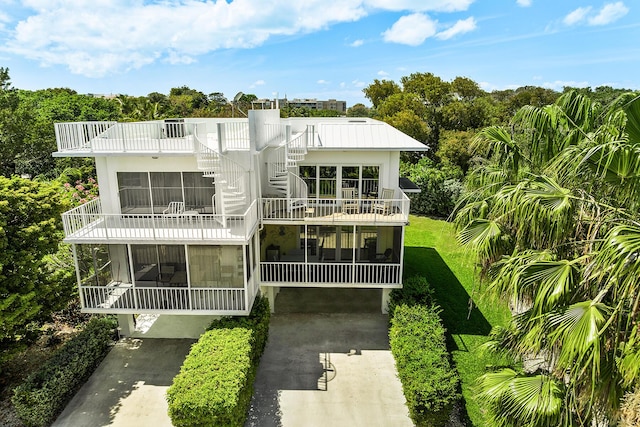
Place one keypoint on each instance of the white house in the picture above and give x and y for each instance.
(196, 216)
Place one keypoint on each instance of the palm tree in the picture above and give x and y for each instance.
(552, 212)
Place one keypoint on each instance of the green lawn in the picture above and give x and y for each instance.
(431, 251)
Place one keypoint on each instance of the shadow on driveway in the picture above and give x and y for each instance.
(129, 386)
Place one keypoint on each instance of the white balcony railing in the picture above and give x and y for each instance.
(125, 298)
(234, 136)
(373, 274)
(336, 210)
(87, 223)
(139, 137)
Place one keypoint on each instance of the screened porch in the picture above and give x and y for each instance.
(321, 255)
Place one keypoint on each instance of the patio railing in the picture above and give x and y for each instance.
(336, 210)
(87, 223)
(127, 298)
(374, 274)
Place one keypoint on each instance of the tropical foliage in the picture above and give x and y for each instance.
(30, 288)
(552, 212)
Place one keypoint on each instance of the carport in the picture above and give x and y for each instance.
(327, 362)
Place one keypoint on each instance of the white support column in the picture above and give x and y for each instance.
(401, 253)
(126, 325)
(385, 300)
(271, 292)
(78, 278)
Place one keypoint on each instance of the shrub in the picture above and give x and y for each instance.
(429, 382)
(44, 394)
(415, 290)
(440, 187)
(215, 383)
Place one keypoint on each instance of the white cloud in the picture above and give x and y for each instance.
(322, 82)
(257, 83)
(358, 83)
(524, 3)
(559, 84)
(412, 30)
(105, 37)
(577, 15)
(609, 13)
(421, 5)
(460, 27)
(357, 43)
(383, 73)
(342, 84)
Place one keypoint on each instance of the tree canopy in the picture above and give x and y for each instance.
(552, 212)
(29, 233)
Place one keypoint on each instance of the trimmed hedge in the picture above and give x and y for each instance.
(45, 393)
(417, 340)
(215, 383)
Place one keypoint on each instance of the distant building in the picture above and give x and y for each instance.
(315, 104)
(103, 95)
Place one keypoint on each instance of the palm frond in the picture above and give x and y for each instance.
(554, 281)
(631, 107)
(486, 237)
(518, 400)
(578, 329)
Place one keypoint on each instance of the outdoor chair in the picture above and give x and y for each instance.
(350, 202)
(384, 257)
(174, 209)
(383, 203)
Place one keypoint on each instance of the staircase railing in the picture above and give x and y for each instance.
(229, 176)
(299, 190)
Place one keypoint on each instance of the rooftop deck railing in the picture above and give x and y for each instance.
(87, 223)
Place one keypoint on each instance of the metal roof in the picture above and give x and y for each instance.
(365, 134)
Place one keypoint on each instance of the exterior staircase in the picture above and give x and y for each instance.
(283, 177)
(232, 195)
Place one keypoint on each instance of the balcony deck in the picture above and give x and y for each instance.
(332, 211)
(87, 224)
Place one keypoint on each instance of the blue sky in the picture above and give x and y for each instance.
(315, 48)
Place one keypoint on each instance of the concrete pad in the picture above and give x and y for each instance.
(171, 326)
(331, 369)
(129, 386)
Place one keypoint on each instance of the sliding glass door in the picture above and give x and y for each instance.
(152, 192)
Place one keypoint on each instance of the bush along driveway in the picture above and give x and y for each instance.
(215, 383)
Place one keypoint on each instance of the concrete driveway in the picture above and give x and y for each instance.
(327, 369)
(327, 363)
(129, 386)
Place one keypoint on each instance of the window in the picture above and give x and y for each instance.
(159, 265)
(137, 190)
(198, 192)
(322, 181)
(133, 190)
(327, 181)
(166, 187)
(351, 178)
(308, 175)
